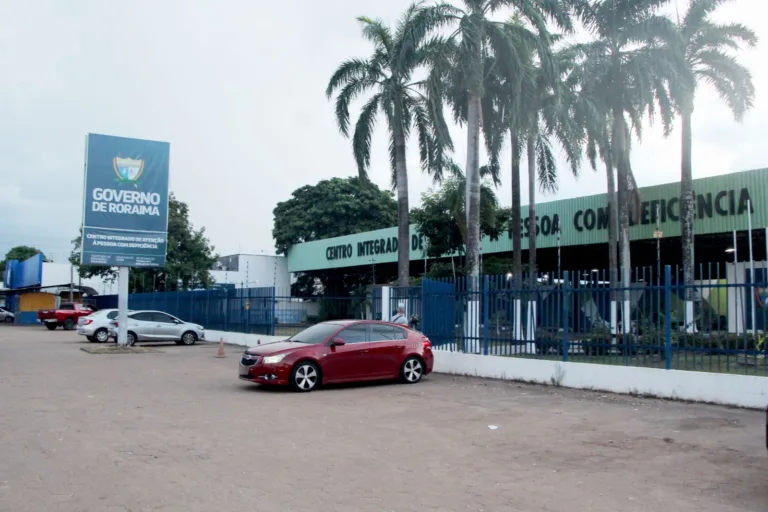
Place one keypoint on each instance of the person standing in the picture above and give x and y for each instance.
(399, 317)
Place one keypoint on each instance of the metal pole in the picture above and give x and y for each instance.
(751, 267)
(71, 282)
(736, 277)
(658, 248)
(558, 253)
(122, 306)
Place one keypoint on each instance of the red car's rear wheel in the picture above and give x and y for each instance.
(412, 370)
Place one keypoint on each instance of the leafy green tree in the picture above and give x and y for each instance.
(331, 208)
(21, 253)
(189, 259)
(627, 72)
(706, 48)
(388, 74)
(442, 215)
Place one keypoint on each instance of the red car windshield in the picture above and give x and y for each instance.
(318, 333)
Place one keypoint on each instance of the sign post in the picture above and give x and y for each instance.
(125, 209)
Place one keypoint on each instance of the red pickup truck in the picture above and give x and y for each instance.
(65, 316)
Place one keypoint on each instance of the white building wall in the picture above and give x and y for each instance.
(256, 270)
(56, 274)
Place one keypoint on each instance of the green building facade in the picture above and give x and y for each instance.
(721, 206)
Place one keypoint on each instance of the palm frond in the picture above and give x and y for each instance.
(377, 32)
(361, 140)
(546, 166)
(698, 14)
(349, 70)
(348, 94)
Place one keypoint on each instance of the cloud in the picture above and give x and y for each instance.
(237, 88)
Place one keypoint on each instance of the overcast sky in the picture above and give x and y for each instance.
(237, 88)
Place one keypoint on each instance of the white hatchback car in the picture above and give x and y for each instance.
(95, 327)
(6, 316)
(159, 326)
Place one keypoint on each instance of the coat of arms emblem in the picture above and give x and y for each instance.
(128, 170)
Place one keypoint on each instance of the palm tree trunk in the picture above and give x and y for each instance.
(622, 165)
(531, 157)
(403, 213)
(686, 217)
(473, 219)
(517, 236)
(613, 256)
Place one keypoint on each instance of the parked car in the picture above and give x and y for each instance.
(159, 326)
(95, 327)
(6, 316)
(340, 351)
(66, 315)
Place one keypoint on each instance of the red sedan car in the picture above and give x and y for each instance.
(340, 351)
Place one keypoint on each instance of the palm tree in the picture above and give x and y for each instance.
(388, 73)
(596, 124)
(628, 71)
(461, 67)
(549, 114)
(463, 56)
(705, 47)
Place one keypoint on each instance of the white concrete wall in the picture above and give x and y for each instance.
(719, 388)
(739, 390)
(257, 270)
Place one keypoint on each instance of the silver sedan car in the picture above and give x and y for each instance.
(95, 327)
(159, 326)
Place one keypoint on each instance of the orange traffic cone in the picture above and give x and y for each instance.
(220, 352)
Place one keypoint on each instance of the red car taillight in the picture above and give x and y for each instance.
(87, 321)
(427, 343)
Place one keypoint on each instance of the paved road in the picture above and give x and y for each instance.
(176, 431)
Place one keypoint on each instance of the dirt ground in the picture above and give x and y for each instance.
(177, 431)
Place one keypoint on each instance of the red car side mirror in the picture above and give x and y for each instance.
(337, 342)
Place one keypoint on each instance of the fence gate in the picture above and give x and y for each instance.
(438, 300)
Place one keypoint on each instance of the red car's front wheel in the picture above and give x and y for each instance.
(305, 376)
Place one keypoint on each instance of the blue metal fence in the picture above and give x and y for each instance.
(266, 310)
(249, 310)
(578, 316)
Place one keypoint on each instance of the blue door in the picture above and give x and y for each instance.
(438, 299)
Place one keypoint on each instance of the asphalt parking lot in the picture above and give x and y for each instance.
(177, 431)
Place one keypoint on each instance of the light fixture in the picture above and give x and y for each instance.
(730, 249)
(509, 275)
(595, 270)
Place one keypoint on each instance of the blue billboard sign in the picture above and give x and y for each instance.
(24, 274)
(125, 211)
